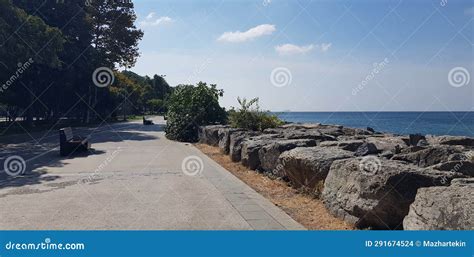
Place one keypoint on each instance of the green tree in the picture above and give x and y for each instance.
(28, 48)
(190, 107)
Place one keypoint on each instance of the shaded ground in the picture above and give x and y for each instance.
(308, 211)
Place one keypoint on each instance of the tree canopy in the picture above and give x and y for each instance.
(50, 51)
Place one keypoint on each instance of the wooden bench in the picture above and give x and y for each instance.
(147, 122)
(68, 143)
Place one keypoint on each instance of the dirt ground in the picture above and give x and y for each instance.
(307, 210)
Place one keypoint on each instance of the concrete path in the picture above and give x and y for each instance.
(135, 179)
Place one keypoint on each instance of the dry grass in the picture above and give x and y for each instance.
(307, 210)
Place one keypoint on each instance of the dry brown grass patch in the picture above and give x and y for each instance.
(305, 209)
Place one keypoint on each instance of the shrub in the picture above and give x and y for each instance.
(190, 107)
(249, 116)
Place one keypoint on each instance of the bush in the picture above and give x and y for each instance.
(249, 116)
(190, 107)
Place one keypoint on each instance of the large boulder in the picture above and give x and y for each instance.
(224, 138)
(269, 154)
(465, 167)
(443, 208)
(301, 133)
(235, 143)
(357, 131)
(388, 143)
(210, 134)
(450, 140)
(429, 156)
(349, 145)
(366, 149)
(376, 193)
(415, 138)
(307, 166)
(251, 147)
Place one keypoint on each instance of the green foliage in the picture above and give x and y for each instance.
(190, 107)
(249, 116)
(67, 41)
(156, 105)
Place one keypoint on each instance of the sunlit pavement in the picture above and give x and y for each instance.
(134, 178)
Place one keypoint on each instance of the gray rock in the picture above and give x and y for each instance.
(235, 143)
(376, 193)
(443, 208)
(251, 146)
(366, 149)
(308, 166)
(349, 145)
(429, 156)
(415, 138)
(450, 140)
(357, 131)
(301, 133)
(412, 149)
(388, 143)
(465, 167)
(386, 154)
(269, 154)
(422, 143)
(224, 138)
(210, 134)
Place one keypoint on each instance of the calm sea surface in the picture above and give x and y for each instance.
(434, 123)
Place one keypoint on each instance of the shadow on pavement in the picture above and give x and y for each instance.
(32, 157)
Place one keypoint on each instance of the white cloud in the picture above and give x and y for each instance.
(290, 49)
(149, 21)
(237, 36)
(325, 47)
(150, 16)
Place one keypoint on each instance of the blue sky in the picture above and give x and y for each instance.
(316, 55)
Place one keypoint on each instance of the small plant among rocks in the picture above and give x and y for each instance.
(250, 116)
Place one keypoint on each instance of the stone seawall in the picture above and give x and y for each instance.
(369, 179)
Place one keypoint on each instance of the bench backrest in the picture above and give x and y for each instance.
(65, 134)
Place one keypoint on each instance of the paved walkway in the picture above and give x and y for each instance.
(135, 179)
